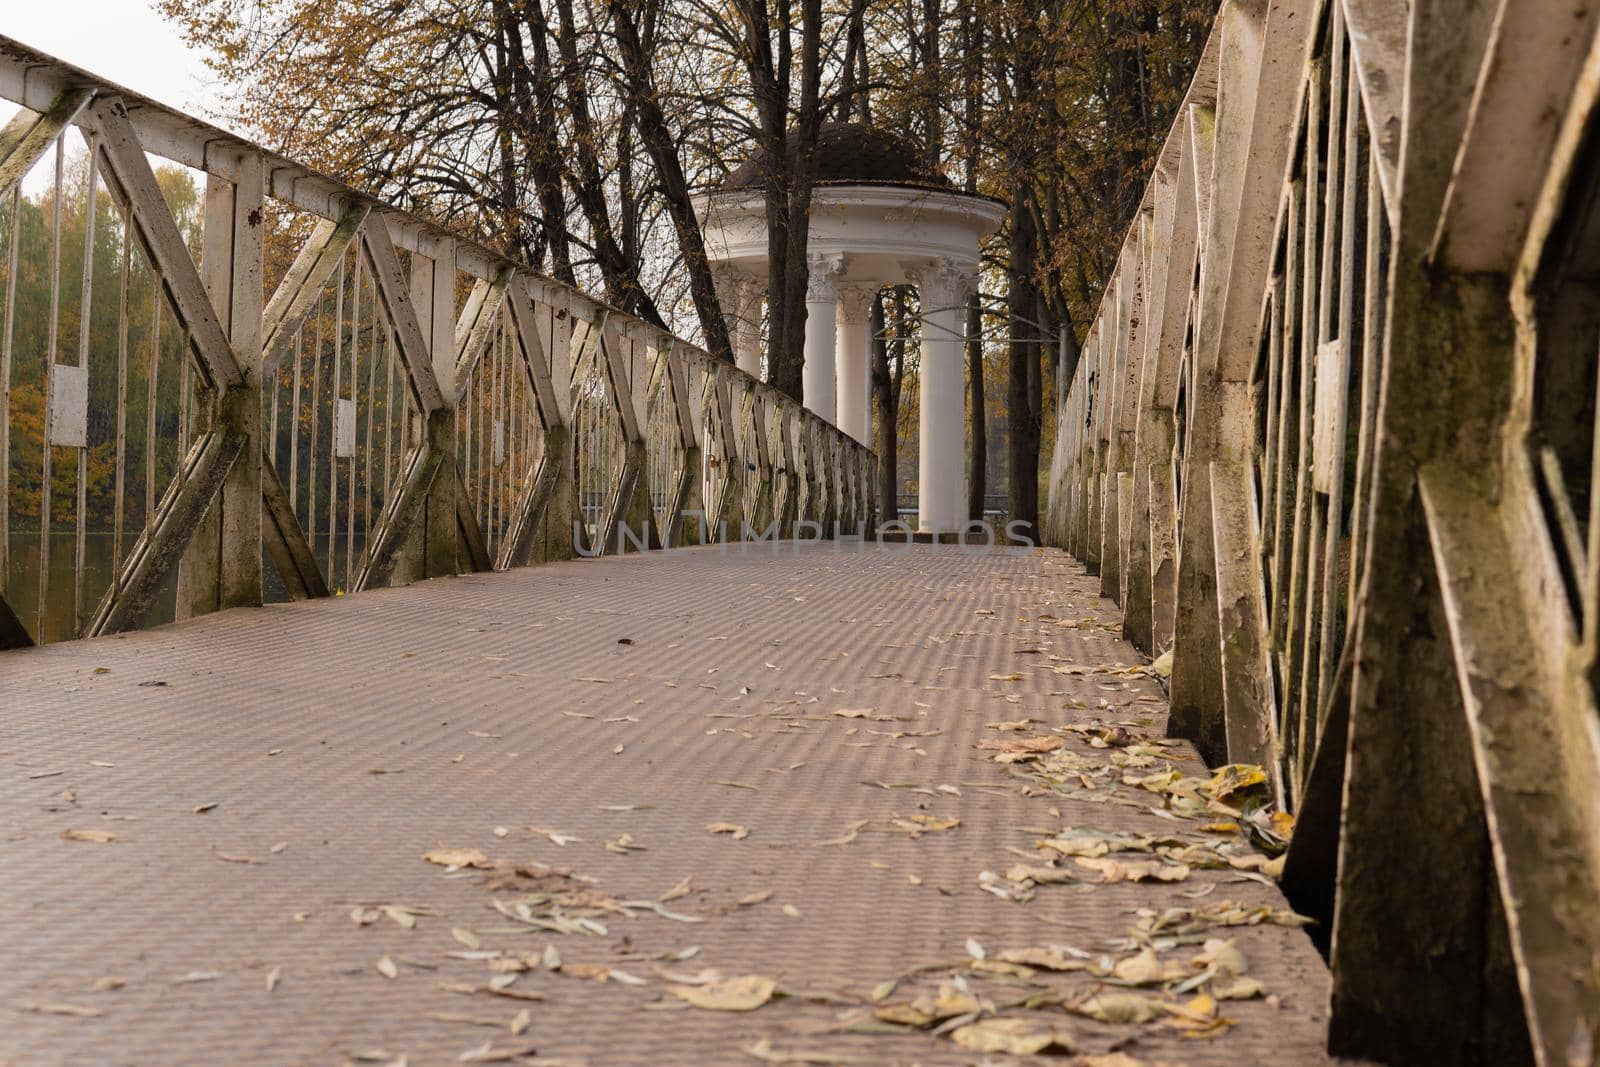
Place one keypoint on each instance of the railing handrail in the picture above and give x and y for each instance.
(35, 80)
(1332, 445)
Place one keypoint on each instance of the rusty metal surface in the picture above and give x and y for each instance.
(484, 701)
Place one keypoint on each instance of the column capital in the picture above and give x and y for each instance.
(944, 282)
(855, 303)
(822, 272)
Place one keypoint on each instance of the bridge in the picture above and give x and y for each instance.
(533, 695)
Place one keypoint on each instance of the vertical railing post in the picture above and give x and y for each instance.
(221, 567)
(433, 295)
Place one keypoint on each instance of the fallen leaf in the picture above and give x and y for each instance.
(108, 983)
(732, 829)
(197, 976)
(98, 837)
(488, 1053)
(466, 937)
(1118, 1008)
(272, 978)
(851, 832)
(1018, 1037)
(201, 809)
(457, 857)
(744, 993)
(387, 968)
(624, 844)
(520, 1022)
(63, 1009)
(682, 889)
(791, 911)
(763, 1050)
(755, 898)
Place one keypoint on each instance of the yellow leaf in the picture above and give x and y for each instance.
(744, 993)
(1118, 1008)
(457, 857)
(1018, 1037)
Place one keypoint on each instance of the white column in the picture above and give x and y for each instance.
(941, 467)
(740, 296)
(853, 356)
(818, 378)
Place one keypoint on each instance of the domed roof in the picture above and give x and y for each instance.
(850, 153)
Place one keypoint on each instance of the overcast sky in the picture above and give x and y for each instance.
(124, 41)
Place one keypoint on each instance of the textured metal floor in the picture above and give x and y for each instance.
(548, 698)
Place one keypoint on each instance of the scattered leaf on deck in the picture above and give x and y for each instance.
(744, 993)
(457, 857)
(52, 1008)
(98, 837)
(1017, 1037)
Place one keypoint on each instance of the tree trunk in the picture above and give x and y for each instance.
(883, 409)
(978, 465)
(1022, 446)
(663, 150)
(621, 277)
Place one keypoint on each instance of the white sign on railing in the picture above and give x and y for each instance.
(344, 429)
(69, 406)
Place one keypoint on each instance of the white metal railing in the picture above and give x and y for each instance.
(225, 378)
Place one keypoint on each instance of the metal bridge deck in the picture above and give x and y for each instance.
(340, 740)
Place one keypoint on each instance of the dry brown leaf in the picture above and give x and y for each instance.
(1117, 871)
(917, 825)
(755, 898)
(98, 837)
(1018, 1037)
(387, 968)
(1035, 745)
(851, 832)
(682, 889)
(1118, 1008)
(732, 829)
(745, 993)
(1050, 959)
(763, 1050)
(520, 1022)
(466, 937)
(457, 857)
(52, 1008)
